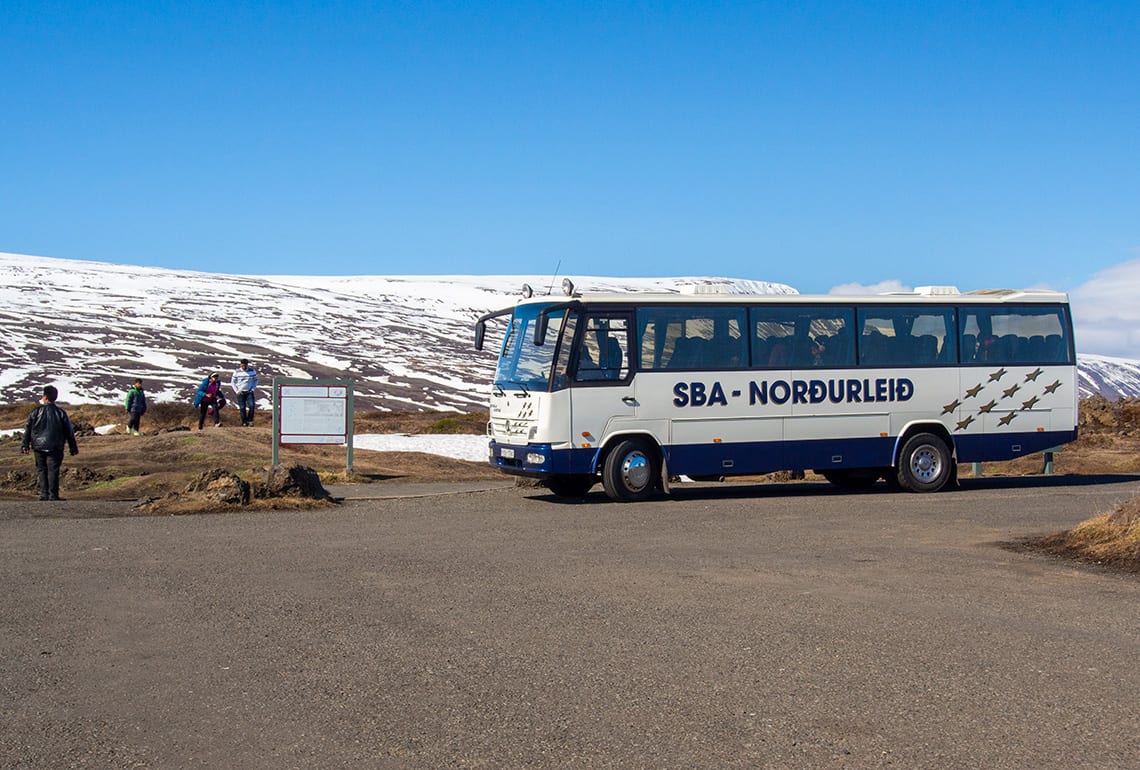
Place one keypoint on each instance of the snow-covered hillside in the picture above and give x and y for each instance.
(90, 328)
(1112, 378)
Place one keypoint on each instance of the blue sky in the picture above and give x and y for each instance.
(814, 144)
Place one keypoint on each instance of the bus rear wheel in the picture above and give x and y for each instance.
(570, 486)
(925, 464)
(630, 471)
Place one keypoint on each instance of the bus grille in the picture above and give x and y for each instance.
(506, 427)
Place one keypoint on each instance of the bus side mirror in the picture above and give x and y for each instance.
(540, 325)
(481, 325)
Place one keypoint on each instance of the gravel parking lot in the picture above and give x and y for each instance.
(727, 626)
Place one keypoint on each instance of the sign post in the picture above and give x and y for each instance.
(311, 412)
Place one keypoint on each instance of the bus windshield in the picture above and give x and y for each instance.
(522, 364)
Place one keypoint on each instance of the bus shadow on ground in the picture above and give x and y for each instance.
(1045, 482)
(739, 489)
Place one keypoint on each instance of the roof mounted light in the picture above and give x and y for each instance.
(527, 291)
(567, 287)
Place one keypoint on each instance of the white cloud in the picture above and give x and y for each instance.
(875, 288)
(1106, 312)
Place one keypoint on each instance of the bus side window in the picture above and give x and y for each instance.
(684, 353)
(926, 349)
(1018, 335)
(969, 347)
(604, 348)
(1054, 349)
(612, 359)
(778, 352)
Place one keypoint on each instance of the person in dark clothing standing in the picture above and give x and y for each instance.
(47, 431)
(136, 407)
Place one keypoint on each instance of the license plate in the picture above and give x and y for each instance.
(508, 454)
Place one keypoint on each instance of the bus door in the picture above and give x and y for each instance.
(602, 394)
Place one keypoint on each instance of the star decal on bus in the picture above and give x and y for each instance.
(1030, 403)
(987, 408)
(948, 408)
(998, 374)
(1008, 393)
(1051, 389)
(965, 423)
(1007, 419)
(1032, 376)
(974, 390)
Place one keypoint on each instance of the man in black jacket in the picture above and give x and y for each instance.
(48, 429)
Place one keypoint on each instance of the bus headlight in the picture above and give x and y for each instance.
(535, 458)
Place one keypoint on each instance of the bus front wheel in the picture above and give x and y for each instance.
(630, 472)
(925, 464)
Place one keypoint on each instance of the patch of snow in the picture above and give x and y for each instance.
(458, 447)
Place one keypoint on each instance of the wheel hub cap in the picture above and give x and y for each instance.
(635, 471)
(925, 464)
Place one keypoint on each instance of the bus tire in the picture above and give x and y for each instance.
(925, 464)
(630, 471)
(570, 486)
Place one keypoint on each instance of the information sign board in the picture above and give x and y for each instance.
(312, 412)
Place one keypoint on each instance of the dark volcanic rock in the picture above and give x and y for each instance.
(221, 486)
(294, 481)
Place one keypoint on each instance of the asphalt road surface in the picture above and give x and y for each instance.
(726, 627)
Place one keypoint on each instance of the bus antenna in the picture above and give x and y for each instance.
(550, 289)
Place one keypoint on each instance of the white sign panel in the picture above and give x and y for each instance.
(313, 414)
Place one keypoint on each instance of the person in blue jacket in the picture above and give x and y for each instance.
(209, 398)
(136, 407)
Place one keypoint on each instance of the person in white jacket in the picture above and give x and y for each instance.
(244, 383)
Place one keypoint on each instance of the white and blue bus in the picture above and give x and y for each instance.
(635, 389)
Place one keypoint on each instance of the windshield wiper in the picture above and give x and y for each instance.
(522, 387)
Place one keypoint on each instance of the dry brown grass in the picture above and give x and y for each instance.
(1110, 539)
(178, 505)
(172, 451)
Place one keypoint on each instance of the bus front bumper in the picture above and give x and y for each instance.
(539, 459)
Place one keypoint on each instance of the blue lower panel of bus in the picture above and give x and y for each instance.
(765, 457)
(1006, 446)
(727, 459)
(730, 459)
